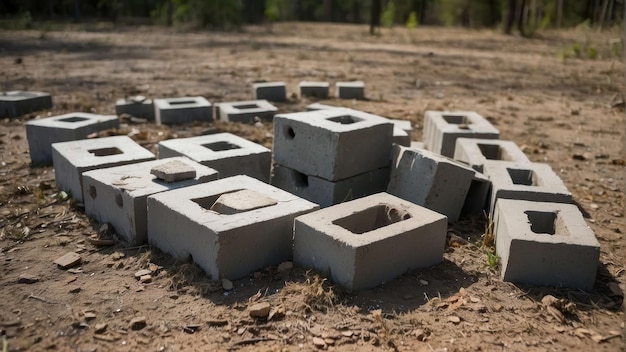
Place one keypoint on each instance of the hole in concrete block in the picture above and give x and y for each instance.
(182, 102)
(119, 200)
(522, 177)
(345, 120)
(92, 192)
(73, 119)
(105, 151)
(372, 219)
(542, 222)
(289, 132)
(301, 180)
(221, 146)
(456, 119)
(245, 106)
(491, 151)
(235, 202)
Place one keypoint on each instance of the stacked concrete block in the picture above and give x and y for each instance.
(543, 243)
(477, 152)
(350, 90)
(42, 133)
(442, 128)
(230, 227)
(246, 111)
(135, 106)
(118, 195)
(314, 89)
(369, 241)
(182, 110)
(18, 103)
(72, 159)
(271, 91)
(229, 154)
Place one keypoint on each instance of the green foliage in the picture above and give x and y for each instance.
(388, 15)
(492, 260)
(271, 10)
(411, 22)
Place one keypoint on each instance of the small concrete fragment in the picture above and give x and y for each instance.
(67, 261)
(350, 90)
(270, 91)
(260, 310)
(314, 89)
(27, 279)
(172, 111)
(246, 111)
(442, 128)
(135, 106)
(18, 103)
(477, 152)
(173, 171)
(241, 201)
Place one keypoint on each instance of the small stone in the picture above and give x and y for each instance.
(117, 256)
(138, 323)
(89, 316)
(319, 342)
(71, 279)
(100, 328)
(173, 171)
(145, 279)
(227, 285)
(285, 266)
(69, 260)
(27, 279)
(74, 289)
(260, 310)
(454, 319)
(347, 333)
(423, 282)
(142, 272)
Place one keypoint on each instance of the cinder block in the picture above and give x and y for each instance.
(400, 137)
(182, 110)
(314, 89)
(118, 195)
(271, 91)
(320, 106)
(246, 111)
(41, 133)
(229, 154)
(369, 241)
(442, 128)
(326, 193)
(72, 159)
(135, 106)
(181, 223)
(525, 181)
(430, 180)
(350, 90)
(477, 152)
(477, 195)
(404, 125)
(546, 244)
(18, 103)
(332, 144)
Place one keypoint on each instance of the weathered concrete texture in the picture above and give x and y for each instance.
(525, 181)
(229, 154)
(270, 91)
(172, 111)
(430, 180)
(442, 128)
(72, 159)
(135, 106)
(246, 111)
(476, 152)
(173, 171)
(181, 223)
(545, 244)
(118, 195)
(314, 89)
(350, 90)
(369, 241)
(41, 133)
(326, 193)
(332, 144)
(18, 103)
(241, 202)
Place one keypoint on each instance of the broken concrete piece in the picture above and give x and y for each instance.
(241, 201)
(27, 279)
(69, 260)
(260, 310)
(173, 171)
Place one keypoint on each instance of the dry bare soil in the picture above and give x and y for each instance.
(562, 108)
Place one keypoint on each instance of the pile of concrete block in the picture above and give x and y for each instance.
(277, 91)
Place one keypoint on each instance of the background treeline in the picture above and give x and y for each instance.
(523, 15)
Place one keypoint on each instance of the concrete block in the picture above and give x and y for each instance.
(326, 193)
(400, 137)
(525, 181)
(417, 145)
(430, 180)
(369, 241)
(271, 91)
(41, 133)
(18, 103)
(314, 89)
(442, 128)
(182, 110)
(229, 154)
(231, 246)
(332, 144)
(547, 244)
(477, 152)
(135, 106)
(320, 106)
(404, 125)
(72, 159)
(477, 195)
(118, 195)
(246, 111)
(350, 90)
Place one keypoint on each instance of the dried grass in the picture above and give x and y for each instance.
(314, 294)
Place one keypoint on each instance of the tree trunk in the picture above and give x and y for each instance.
(375, 16)
(511, 11)
(559, 13)
(605, 6)
(521, 17)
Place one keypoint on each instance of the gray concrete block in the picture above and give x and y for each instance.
(477, 152)
(350, 90)
(314, 89)
(118, 195)
(400, 137)
(332, 144)
(476, 200)
(369, 241)
(182, 110)
(173, 171)
(430, 180)
(181, 223)
(320, 106)
(41, 133)
(135, 106)
(246, 111)
(326, 193)
(442, 128)
(547, 244)
(270, 91)
(18, 103)
(525, 181)
(72, 159)
(227, 153)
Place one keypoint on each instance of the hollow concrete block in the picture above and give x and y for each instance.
(18, 103)
(314, 89)
(400, 137)
(476, 152)
(270, 91)
(370, 240)
(476, 201)
(233, 245)
(350, 90)
(246, 111)
(320, 106)
(141, 108)
(442, 128)
(172, 111)
(547, 244)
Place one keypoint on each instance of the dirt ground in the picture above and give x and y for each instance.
(546, 94)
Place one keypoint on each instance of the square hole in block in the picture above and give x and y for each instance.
(456, 119)
(221, 146)
(73, 119)
(542, 222)
(105, 151)
(182, 102)
(245, 106)
(235, 202)
(372, 219)
(345, 119)
(491, 151)
(301, 180)
(522, 177)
